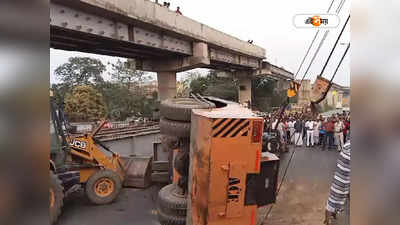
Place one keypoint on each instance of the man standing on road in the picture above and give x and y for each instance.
(310, 137)
(340, 187)
(329, 127)
(298, 126)
(339, 126)
(346, 129)
(281, 129)
(291, 130)
(317, 126)
(322, 132)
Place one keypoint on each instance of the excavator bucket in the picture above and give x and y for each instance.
(137, 171)
(320, 86)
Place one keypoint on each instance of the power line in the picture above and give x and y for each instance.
(315, 54)
(340, 6)
(312, 42)
(322, 40)
(341, 60)
(305, 56)
(330, 6)
(334, 46)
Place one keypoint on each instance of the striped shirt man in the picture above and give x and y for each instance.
(340, 187)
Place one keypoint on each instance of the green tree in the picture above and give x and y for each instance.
(123, 103)
(119, 100)
(211, 84)
(225, 88)
(80, 71)
(59, 92)
(85, 104)
(199, 85)
(126, 74)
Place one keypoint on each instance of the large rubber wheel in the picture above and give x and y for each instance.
(56, 197)
(180, 109)
(103, 187)
(181, 163)
(166, 219)
(174, 128)
(170, 202)
(273, 145)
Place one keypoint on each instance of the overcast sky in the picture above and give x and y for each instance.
(270, 25)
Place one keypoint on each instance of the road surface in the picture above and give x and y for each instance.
(305, 190)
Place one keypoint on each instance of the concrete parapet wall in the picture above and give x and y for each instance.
(152, 13)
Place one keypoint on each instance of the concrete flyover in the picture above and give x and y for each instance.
(273, 72)
(154, 37)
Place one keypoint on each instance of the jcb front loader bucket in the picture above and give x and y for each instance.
(137, 171)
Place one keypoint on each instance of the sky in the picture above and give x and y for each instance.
(270, 25)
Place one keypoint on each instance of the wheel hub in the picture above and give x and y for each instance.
(104, 187)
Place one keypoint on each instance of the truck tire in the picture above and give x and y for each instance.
(273, 145)
(166, 219)
(56, 197)
(174, 128)
(180, 109)
(103, 187)
(181, 163)
(170, 202)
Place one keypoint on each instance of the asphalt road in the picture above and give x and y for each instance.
(301, 200)
(305, 189)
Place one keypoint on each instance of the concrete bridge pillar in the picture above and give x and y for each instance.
(166, 85)
(244, 78)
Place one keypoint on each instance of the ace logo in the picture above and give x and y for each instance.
(78, 144)
(234, 189)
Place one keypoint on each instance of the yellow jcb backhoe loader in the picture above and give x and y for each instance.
(83, 160)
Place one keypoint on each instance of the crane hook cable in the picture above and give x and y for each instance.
(333, 49)
(331, 81)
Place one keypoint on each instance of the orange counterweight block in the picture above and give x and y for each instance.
(229, 176)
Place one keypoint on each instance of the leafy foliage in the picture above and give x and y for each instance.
(211, 84)
(126, 75)
(123, 102)
(85, 104)
(80, 71)
(88, 96)
(264, 88)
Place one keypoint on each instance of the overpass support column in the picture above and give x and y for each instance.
(166, 85)
(244, 78)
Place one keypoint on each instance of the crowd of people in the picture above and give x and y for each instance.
(303, 130)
